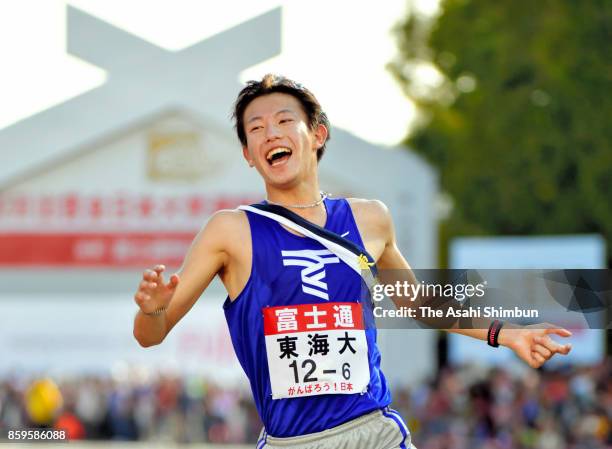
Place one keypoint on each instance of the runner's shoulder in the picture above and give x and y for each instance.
(228, 223)
(370, 210)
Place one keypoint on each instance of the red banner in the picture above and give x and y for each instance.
(138, 250)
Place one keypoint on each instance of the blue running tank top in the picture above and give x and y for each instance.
(303, 330)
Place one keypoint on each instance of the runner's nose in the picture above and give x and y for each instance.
(272, 132)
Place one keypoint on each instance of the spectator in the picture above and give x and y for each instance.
(460, 408)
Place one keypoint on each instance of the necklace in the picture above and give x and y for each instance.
(324, 195)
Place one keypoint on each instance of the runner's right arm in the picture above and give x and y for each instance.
(207, 256)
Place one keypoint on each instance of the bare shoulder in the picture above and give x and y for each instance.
(371, 212)
(227, 227)
(374, 223)
(232, 218)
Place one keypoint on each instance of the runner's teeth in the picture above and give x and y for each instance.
(277, 151)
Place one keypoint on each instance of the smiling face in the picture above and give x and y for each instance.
(279, 142)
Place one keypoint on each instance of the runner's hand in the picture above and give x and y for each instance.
(533, 343)
(152, 293)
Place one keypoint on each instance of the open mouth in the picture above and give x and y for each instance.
(278, 155)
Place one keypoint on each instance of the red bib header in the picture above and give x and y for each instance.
(312, 317)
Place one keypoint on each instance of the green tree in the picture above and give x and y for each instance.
(520, 127)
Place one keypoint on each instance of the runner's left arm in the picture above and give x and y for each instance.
(532, 343)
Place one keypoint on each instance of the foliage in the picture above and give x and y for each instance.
(520, 127)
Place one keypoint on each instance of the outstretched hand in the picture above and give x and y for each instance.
(153, 294)
(533, 343)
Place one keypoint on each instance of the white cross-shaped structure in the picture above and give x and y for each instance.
(143, 81)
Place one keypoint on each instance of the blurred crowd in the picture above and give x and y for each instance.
(467, 408)
(462, 408)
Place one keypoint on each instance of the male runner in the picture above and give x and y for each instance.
(294, 310)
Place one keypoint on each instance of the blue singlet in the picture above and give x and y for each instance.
(275, 283)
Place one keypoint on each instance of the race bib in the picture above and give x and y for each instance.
(315, 349)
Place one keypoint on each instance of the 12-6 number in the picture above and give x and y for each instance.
(312, 366)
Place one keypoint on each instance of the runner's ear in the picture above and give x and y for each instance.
(320, 134)
(247, 156)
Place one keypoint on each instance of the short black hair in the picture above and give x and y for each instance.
(270, 84)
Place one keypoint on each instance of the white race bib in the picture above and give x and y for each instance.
(315, 349)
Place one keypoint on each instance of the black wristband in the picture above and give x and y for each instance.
(493, 333)
(156, 312)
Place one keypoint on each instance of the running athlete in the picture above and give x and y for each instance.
(296, 312)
